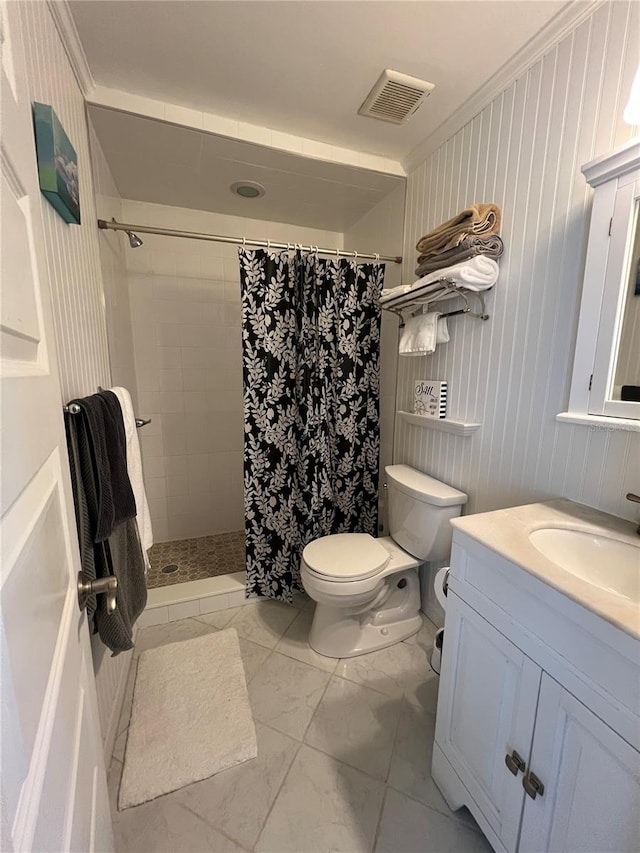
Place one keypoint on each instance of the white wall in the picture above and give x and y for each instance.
(381, 230)
(185, 308)
(524, 151)
(73, 259)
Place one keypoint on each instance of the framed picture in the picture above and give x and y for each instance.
(57, 164)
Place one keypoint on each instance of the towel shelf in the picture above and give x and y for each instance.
(438, 291)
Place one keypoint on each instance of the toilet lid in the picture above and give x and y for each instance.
(346, 556)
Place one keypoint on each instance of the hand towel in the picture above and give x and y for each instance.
(491, 247)
(480, 220)
(134, 468)
(442, 331)
(419, 336)
(477, 273)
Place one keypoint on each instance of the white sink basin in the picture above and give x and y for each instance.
(599, 560)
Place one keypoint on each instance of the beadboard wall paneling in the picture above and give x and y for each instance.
(72, 251)
(381, 230)
(511, 373)
(114, 273)
(73, 260)
(185, 309)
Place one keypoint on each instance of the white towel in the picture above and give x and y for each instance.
(477, 273)
(134, 469)
(420, 334)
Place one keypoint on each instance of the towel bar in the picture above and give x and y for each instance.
(74, 409)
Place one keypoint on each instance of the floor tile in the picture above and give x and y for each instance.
(119, 745)
(425, 635)
(410, 771)
(295, 644)
(238, 800)
(389, 670)
(166, 826)
(127, 702)
(323, 806)
(263, 622)
(204, 557)
(285, 693)
(253, 657)
(356, 725)
(170, 632)
(219, 618)
(409, 827)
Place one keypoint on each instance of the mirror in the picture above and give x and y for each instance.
(626, 381)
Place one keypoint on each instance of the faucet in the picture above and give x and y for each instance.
(635, 499)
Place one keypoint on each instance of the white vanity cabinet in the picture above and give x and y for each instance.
(522, 666)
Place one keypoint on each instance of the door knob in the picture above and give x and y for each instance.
(532, 785)
(107, 586)
(514, 762)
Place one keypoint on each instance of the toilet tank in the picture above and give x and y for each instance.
(420, 508)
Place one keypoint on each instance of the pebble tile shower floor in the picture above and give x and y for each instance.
(204, 557)
(344, 751)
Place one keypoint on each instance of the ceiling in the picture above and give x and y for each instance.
(305, 67)
(162, 163)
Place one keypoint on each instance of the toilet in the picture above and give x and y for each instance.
(367, 590)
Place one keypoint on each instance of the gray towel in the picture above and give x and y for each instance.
(492, 246)
(120, 555)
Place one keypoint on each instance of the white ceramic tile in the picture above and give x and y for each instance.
(253, 657)
(389, 670)
(285, 693)
(125, 711)
(184, 610)
(295, 643)
(220, 125)
(323, 806)
(356, 725)
(425, 635)
(410, 827)
(264, 622)
(153, 616)
(172, 632)
(119, 745)
(219, 618)
(238, 599)
(165, 826)
(238, 800)
(214, 604)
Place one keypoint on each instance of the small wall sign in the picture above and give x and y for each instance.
(430, 398)
(57, 164)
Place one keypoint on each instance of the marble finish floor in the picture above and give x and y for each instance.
(344, 752)
(203, 557)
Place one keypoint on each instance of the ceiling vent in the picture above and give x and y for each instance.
(395, 97)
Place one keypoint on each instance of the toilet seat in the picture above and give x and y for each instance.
(345, 557)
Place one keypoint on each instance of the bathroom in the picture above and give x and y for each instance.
(168, 106)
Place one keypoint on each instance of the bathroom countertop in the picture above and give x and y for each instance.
(506, 532)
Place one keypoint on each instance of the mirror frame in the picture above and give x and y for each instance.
(615, 178)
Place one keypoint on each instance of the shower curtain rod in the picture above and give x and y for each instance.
(242, 241)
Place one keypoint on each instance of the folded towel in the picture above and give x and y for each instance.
(477, 273)
(480, 220)
(442, 331)
(134, 469)
(101, 416)
(420, 334)
(491, 247)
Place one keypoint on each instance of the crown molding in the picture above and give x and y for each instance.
(566, 20)
(65, 25)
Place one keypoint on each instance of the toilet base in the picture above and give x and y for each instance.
(338, 632)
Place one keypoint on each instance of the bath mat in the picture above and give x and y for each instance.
(190, 717)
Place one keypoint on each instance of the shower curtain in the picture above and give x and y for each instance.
(311, 374)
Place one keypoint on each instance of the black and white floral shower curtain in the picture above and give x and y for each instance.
(311, 370)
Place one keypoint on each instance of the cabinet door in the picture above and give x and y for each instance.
(486, 708)
(591, 777)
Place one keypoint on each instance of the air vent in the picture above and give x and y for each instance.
(395, 97)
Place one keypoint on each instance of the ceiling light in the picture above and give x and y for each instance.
(247, 189)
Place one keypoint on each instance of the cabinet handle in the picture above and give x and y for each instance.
(514, 762)
(532, 785)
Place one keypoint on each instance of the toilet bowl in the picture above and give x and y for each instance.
(367, 590)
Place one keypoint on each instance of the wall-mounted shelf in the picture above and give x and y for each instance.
(442, 289)
(442, 424)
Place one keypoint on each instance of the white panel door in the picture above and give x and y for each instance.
(53, 785)
(486, 710)
(591, 778)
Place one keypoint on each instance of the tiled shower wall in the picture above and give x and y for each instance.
(185, 311)
(511, 374)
